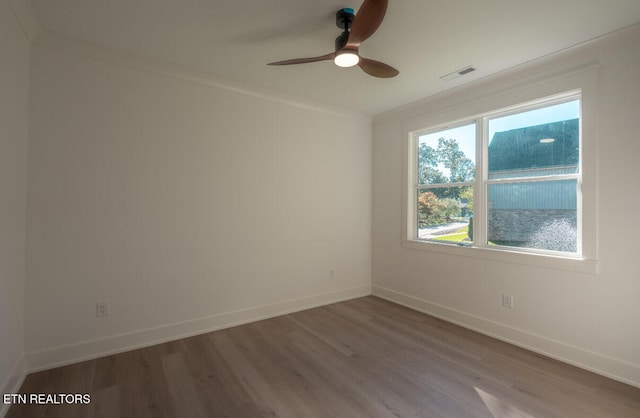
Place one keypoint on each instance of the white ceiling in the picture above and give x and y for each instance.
(424, 39)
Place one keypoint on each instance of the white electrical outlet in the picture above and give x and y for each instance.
(332, 274)
(507, 301)
(102, 309)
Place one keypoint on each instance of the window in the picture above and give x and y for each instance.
(446, 171)
(533, 171)
(502, 180)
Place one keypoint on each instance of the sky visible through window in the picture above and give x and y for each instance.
(466, 135)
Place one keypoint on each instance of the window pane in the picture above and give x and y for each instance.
(444, 214)
(535, 143)
(540, 215)
(447, 156)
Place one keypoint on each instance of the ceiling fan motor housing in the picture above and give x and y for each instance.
(344, 17)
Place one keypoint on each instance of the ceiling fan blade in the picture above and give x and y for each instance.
(367, 21)
(305, 60)
(377, 68)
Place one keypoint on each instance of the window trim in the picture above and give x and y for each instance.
(582, 83)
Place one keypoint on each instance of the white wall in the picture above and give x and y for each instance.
(592, 320)
(186, 205)
(14, 94)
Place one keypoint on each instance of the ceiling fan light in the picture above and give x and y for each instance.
(346, 59)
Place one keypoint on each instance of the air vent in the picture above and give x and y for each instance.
(458, 73)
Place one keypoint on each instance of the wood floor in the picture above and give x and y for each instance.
(361, 358)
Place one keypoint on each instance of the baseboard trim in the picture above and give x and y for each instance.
(87, 350)
(613, 368)
(13, 382)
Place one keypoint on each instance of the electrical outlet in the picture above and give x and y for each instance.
(102, 309)
(332, 274)
(507, 301)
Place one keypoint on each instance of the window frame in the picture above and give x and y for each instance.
(581, 84)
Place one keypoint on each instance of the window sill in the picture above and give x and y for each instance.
(575, 264)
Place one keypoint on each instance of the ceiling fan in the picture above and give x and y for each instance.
(356, 30)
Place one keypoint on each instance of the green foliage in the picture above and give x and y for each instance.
(428, 172)
(439, 205)
(435, 211)
(449, 208)
(470, 231)
(461, 168)
(428, 206)
(448, 155)
(467, 193)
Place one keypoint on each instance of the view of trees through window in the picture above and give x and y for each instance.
(530, 188)
(446, 169)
